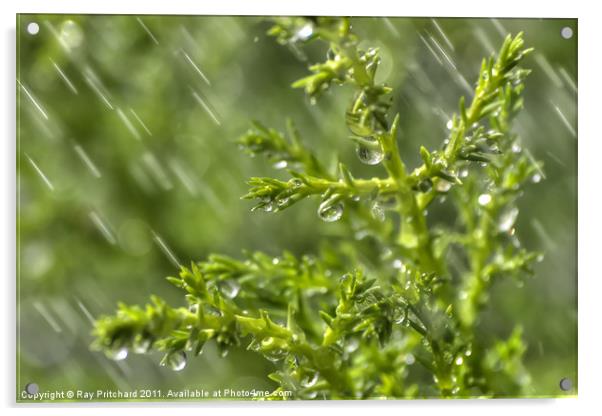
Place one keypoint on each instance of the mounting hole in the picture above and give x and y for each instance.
(33, 28)
(565, 384)
(566, 32)
(32, 388)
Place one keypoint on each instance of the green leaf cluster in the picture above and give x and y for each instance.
(334, 325)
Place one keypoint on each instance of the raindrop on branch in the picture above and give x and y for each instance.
(229, 288)
(484, 199)
(369, 156)
(281, 164)
(507, 219)
(304, 33)
(141, 345)
(175, 361)
(310, 379)
(377, 211)
(443, 186)
(329, 212)
(117, 353)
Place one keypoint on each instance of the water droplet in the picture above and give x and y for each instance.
(443, 185)
(330, 212)
(282, 201)
(401, 314)
(463, 173)
(275, 261)
(536, 178)
(377, 211)
(310, 379)
(141, 345)
(398, 264)
(459, 360)
(117, 353)
(311, 394)
(304, 33)
(175, 360)
(352, 345)
(229, 288)
(410, 359)
(516, 148)
(271, 351)
(484, 199)
(194, 308)
(223, 350)
(268, 207)
(507, 219)
(296, 182)
(369, 156)
(449, 124)
(281, 164)
(468, 352)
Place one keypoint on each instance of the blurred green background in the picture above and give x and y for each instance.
(127, 166)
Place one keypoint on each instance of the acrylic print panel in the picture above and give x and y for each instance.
(407, 227)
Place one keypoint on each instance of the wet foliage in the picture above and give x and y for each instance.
(338, 323)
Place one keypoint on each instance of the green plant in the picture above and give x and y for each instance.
(340, 324)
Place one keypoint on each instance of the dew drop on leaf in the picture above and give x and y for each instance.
(141, 345)
(352, 345)
(269, 207)
(281, 164)
(271, 351)
(175, 361)
(296, 182)
(507, 219)
(305, 32)
(398, 264)
(369, 156)
(330, 212)
(311, 394)
(117, 353)
(484, 199)
(309, 379)
(536, 178)
(443, 185)
(230, 288)
(377, 211)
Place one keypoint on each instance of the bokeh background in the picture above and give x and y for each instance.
(127, 166)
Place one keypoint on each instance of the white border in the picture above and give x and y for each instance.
(590, 107)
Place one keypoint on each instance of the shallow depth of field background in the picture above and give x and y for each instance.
(126, 166)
